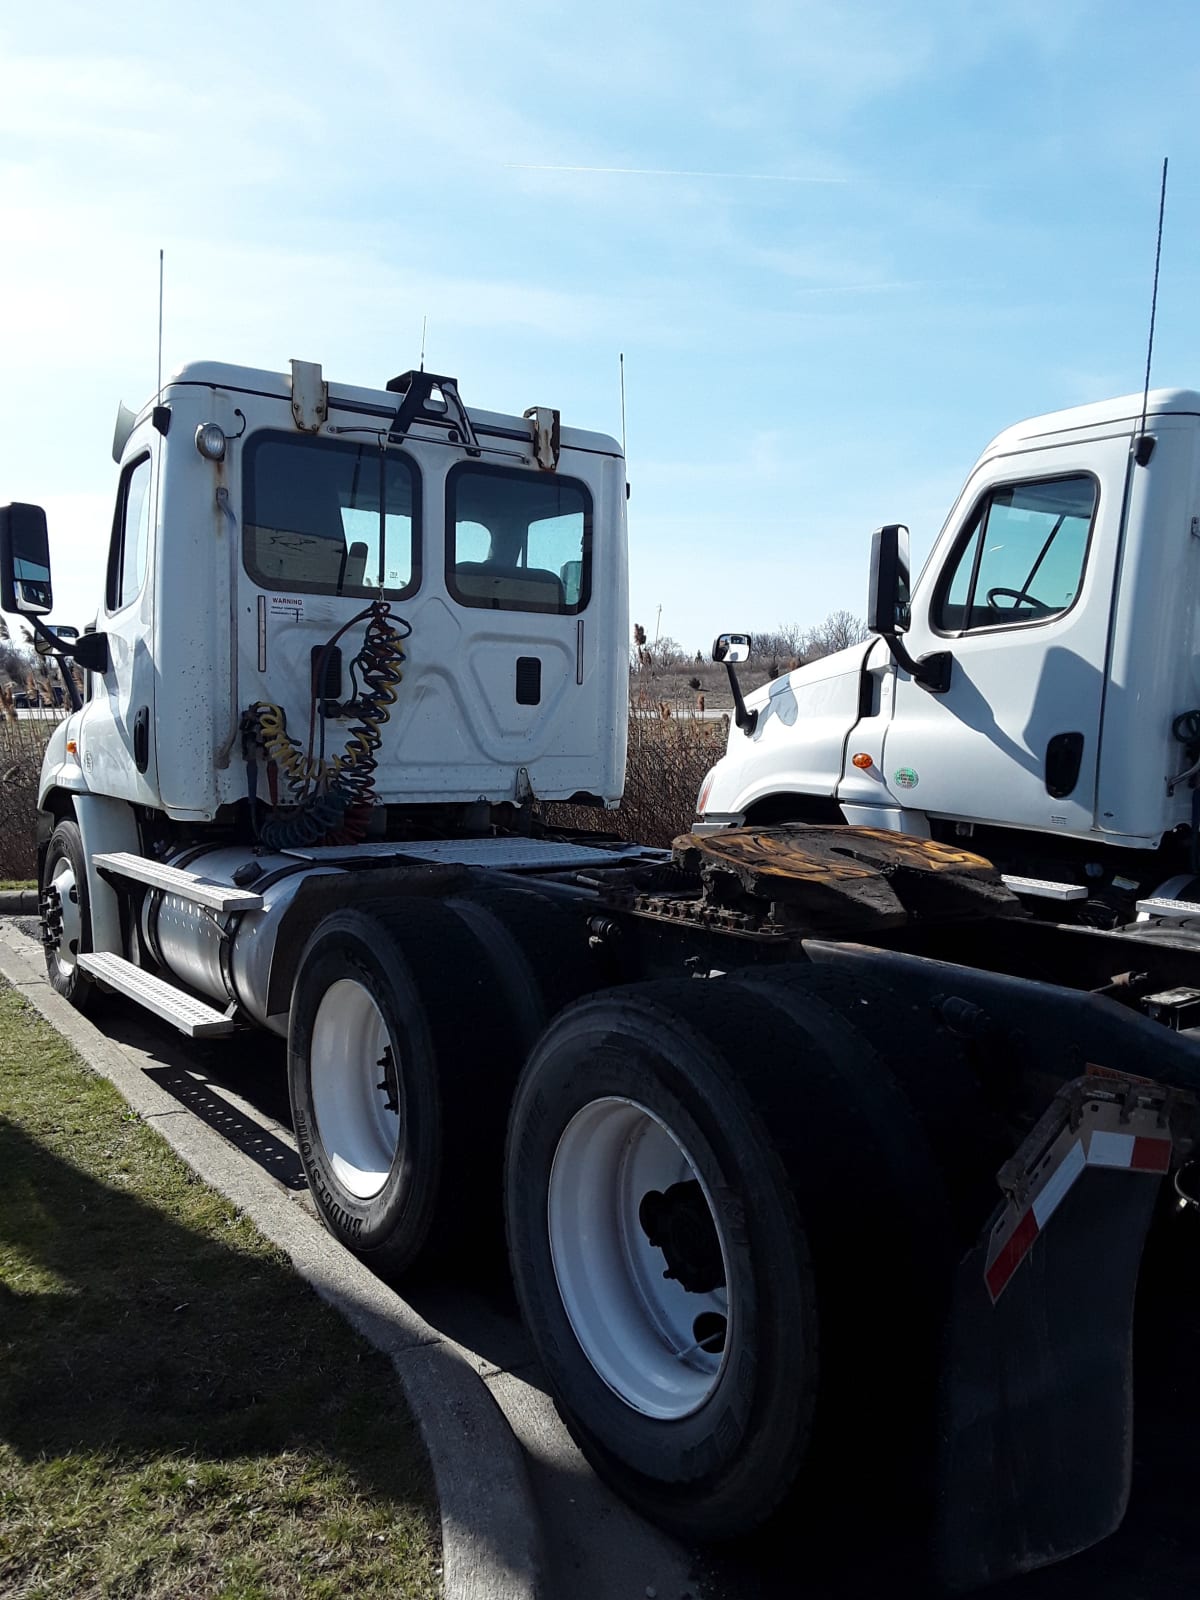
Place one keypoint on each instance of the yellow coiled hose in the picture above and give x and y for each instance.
(332, 799)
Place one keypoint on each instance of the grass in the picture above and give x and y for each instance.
(179, 1414)
(17, 883)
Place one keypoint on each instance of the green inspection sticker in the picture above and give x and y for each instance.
(906, 777)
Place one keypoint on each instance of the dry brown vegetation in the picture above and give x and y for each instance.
(22, 742)
(668, 758)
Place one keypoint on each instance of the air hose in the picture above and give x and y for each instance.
(330, 801)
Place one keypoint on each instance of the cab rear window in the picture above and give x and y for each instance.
(517, 541)
(327, 516)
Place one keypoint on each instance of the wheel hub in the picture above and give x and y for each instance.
(355, 1079)
(626, 1197)
(52, 923)
(62, 924)
(680, 1224)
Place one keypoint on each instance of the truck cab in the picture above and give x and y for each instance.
(257, 512)
(1052, 659)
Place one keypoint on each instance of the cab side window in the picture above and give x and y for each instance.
(130, 547)
(1021, 557)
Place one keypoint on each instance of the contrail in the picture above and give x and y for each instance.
(673, 172)
(737, 177)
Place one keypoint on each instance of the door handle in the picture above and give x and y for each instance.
(141, 738)
(1064, 756)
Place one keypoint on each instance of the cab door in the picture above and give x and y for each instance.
(117, 730)
(1019, 596)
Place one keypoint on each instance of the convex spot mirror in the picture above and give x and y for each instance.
(24, 561)
(67, 636)
(888, 608)
(732, 648)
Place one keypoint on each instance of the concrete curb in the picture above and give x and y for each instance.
(18, 902)
(491, 1537)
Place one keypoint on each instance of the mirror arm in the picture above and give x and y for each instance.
(69, 684)
(747, 721)
(931, 672)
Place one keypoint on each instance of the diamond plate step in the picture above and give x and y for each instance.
(182, 1011)
(1044, 888)
(174, 880)
(1175, 910)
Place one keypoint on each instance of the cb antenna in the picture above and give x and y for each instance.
(424, 320)
(158, 400)
(621, 361)
(1144, 448)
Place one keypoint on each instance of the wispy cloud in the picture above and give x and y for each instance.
(675, 172)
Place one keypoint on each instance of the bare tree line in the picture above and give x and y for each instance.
(778, 649)
(25, 674)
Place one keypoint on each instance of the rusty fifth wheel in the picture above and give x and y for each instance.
(696, 1184)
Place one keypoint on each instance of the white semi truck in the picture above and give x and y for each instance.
(1038, 693)
(826, 1167)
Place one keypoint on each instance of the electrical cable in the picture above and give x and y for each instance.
(332, 801)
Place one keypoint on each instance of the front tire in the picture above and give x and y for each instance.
(66, 915)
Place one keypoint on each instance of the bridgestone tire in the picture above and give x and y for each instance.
(456, 1055)
(539, 946)
(827, 1206)
(65, 850)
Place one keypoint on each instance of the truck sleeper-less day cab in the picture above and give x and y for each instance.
(1051, 718)
(828, 1166)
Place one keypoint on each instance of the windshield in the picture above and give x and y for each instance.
(313, 517)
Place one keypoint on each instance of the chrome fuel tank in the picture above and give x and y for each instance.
(233, 965)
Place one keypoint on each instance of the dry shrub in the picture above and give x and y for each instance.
(668, 758)
(22, 742)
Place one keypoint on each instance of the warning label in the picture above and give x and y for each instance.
(287, 607)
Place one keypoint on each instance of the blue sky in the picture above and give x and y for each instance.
(856, 241)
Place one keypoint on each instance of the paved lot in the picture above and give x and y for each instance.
(598, 1549)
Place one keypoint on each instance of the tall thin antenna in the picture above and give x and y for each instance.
(1145, 447)
(424, 320)
(158, 401)
(621, 359)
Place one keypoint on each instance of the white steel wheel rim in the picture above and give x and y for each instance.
(350, 1090)
(62, 881)
(636, 1327)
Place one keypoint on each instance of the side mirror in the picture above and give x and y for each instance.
(731, 648)
(888, 609)
(24, 561)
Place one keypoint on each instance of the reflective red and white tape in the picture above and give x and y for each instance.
(1145, 1153)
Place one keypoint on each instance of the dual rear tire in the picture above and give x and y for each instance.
(729, 1240)
(407, 1031)
(730, 1224)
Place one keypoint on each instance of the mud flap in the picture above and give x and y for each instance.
(1035, 1439)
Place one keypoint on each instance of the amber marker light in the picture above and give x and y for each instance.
(72, 747)
(862, 761)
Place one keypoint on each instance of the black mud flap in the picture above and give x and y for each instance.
(1036, 1395)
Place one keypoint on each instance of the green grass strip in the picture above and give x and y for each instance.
(179, 1414)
